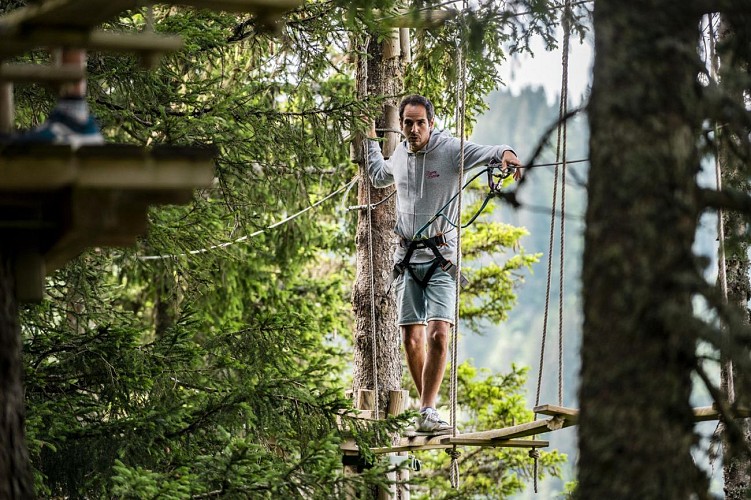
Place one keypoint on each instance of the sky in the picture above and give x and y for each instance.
(544, 69)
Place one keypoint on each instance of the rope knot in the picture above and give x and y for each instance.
(534, 453)
(453, 453)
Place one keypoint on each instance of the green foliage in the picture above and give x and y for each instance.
(486, 401)
(208, 360)
(483, 34)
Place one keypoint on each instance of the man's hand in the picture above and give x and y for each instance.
(509, 159)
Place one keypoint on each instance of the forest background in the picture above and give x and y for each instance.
(179, 368)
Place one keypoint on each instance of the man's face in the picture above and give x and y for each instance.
(415, 126)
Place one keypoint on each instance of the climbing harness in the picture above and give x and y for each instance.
(496, 174)
(433, 244)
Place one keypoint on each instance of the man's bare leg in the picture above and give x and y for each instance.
(435, 362)
(413, 337)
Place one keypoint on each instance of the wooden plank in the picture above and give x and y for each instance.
(41, 73)
(7, 109)
(81, 14)
(708, 413)
(110, 41)
(701, 414)
(43, 168)
(424, 18)
(553, 410)
(87, 14)
(522, 430)
(258, 6)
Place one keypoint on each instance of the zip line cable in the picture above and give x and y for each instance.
(256, 233)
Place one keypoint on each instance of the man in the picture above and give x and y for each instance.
(425, 169)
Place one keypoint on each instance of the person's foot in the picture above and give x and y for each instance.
(429, 422)
(61, 128)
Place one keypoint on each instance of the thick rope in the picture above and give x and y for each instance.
(373, 329)
(461, 88)
(226, 244)
(561, 157)
(374, 339)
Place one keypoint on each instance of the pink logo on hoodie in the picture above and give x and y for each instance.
(432, 174)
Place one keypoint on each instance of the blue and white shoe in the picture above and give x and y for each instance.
(63, 129)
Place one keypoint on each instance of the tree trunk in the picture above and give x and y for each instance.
(736, 464)
(379, 75)
(15, 474)
(636, 425)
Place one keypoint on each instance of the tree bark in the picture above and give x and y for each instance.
(636, 425)
(736, 460)
(15, 473)
(376, 76)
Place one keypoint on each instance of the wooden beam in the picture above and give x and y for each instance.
(553, 410)
(444, 442)
(425, 19)
(257, 6)
(701, 414)
(708, 413)
(87, 14)
(110, 41)
(111, 166)
(45, 73)
(7, 109)
(522, 430)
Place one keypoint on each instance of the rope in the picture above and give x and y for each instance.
(454, 467)
(256, 233)
(560, 159)
(373, 330)
(461, 111)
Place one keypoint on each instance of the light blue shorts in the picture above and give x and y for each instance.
(418, 305)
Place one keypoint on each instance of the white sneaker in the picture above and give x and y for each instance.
(429, 422)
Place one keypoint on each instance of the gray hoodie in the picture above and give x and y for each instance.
(425, 182)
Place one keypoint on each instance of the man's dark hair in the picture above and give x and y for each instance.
(416, 99)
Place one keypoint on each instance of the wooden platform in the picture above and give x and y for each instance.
(55, 203)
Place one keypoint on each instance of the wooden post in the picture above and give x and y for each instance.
(406, 49)
(6, 107)
(29, 273)
(16, 480)
(391, 112)
(400, 490)
(365, 399)
(392, 45)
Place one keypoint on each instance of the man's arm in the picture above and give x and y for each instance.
(379, 170)
(477, 154)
